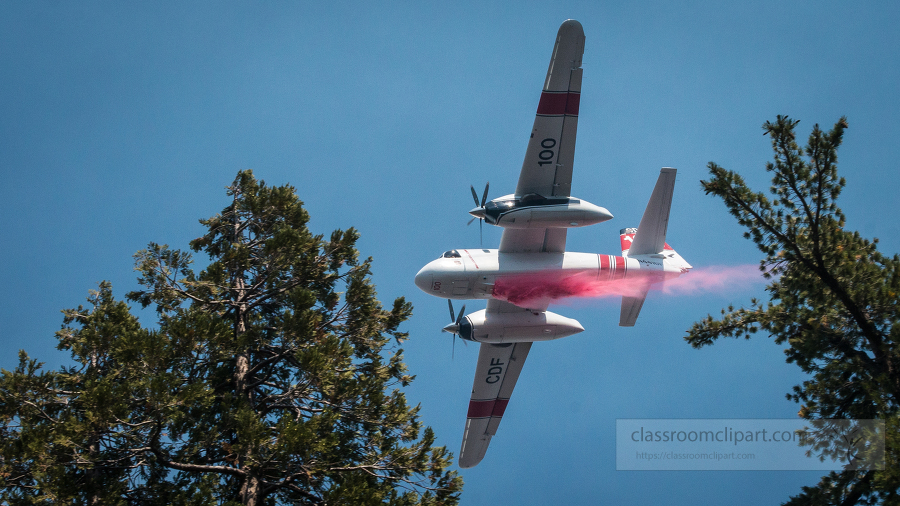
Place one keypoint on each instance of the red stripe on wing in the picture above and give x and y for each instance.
(485, 409)
(559, 103)
(480, 409)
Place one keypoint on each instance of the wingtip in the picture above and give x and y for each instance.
(571, 23)
(468, 465)
(472, 454)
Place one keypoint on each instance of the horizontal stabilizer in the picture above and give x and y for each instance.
(631, 308)
(651, 233)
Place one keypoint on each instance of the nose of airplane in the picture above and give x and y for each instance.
(423, 278)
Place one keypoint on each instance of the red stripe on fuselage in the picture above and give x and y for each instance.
(620, 267)
(559, 103)
(612, 267)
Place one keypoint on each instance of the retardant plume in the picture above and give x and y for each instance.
(548, 287)
(720, 279)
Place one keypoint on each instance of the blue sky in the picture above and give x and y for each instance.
(120, 124)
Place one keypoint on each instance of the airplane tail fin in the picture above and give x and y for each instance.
(650, 239)
(652, 236)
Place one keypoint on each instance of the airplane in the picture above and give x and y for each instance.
(532, 268)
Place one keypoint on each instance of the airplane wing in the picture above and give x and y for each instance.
(498, 369)
(533, 240)
(547, 169)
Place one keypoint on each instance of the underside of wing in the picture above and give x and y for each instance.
(495, 306)
(547, 169)
(547, 172)
(498, 370)
(533, 240)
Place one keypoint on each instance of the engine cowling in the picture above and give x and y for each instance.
(535, 211)
(518, 327)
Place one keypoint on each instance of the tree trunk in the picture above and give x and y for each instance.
(92, 474)
(250, 491)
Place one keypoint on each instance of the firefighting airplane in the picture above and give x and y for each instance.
(532, 253)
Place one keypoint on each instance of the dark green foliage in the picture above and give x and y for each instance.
(272, 378)
(833, 300)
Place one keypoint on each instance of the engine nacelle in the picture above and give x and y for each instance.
(535, 211)
(517, 327)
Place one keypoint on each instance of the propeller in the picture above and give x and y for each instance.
(455, 320)
(478, 212)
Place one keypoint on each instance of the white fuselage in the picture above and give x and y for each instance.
(474, 272)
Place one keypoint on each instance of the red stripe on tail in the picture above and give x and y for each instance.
(625, 240)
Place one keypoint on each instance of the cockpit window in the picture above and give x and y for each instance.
(451, 254)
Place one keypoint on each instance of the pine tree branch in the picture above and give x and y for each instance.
(179, 466)
(869, 331)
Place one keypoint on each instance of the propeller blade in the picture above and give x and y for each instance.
(481, 232)
(470, 221)
(454, 323)
(484, 197)
(474, 195)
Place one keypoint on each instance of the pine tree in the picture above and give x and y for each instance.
(273, 378)
(64, 438)
(834, 300)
